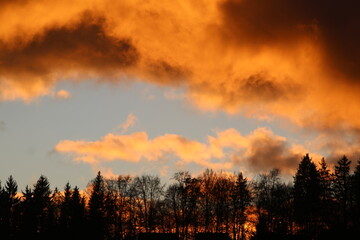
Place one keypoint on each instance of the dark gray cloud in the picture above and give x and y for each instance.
(259, 87)
(269, 153)
(334, 25)
(82, 46)
(265, 151)
(166, 73)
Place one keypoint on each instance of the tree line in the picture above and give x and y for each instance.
(317, 204)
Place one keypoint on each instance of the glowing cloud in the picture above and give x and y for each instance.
(259, 151)
(295, 59)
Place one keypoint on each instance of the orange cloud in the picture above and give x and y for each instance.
(259, 151)
(261, 58)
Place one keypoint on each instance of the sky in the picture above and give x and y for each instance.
(155, 87)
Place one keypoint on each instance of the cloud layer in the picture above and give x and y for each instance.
(298, 60)
(259, 151)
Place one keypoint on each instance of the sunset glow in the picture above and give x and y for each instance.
(277, 78)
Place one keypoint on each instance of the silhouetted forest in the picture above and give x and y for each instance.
(320, 203)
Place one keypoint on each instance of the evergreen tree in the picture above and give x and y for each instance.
(327, 204)
(319, 206)
(96, 208)
(325, 180)
(54, 213)
(3, 212)
(28, 220)
(356, 193)
(65, 216)
(307, 190)
(42, 206)
(342, 184)
(11, 206)
(77, 221)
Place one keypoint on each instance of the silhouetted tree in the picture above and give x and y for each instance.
(9, 208)
(42, 205)
(3, 212)
(221, 196)
(342, 185)
(240, 200)
(356, 193)
(126, 206)
(28, 221)
(191, 191)
(274, 209)
(149, 190)
(325, 180)
(77, 220)
(97, 208)
(207, 184)
(65, 216)
(327, 203)
(318, 206)
(111, 208)
(54, 213)
(173, 202)
(307, 190)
